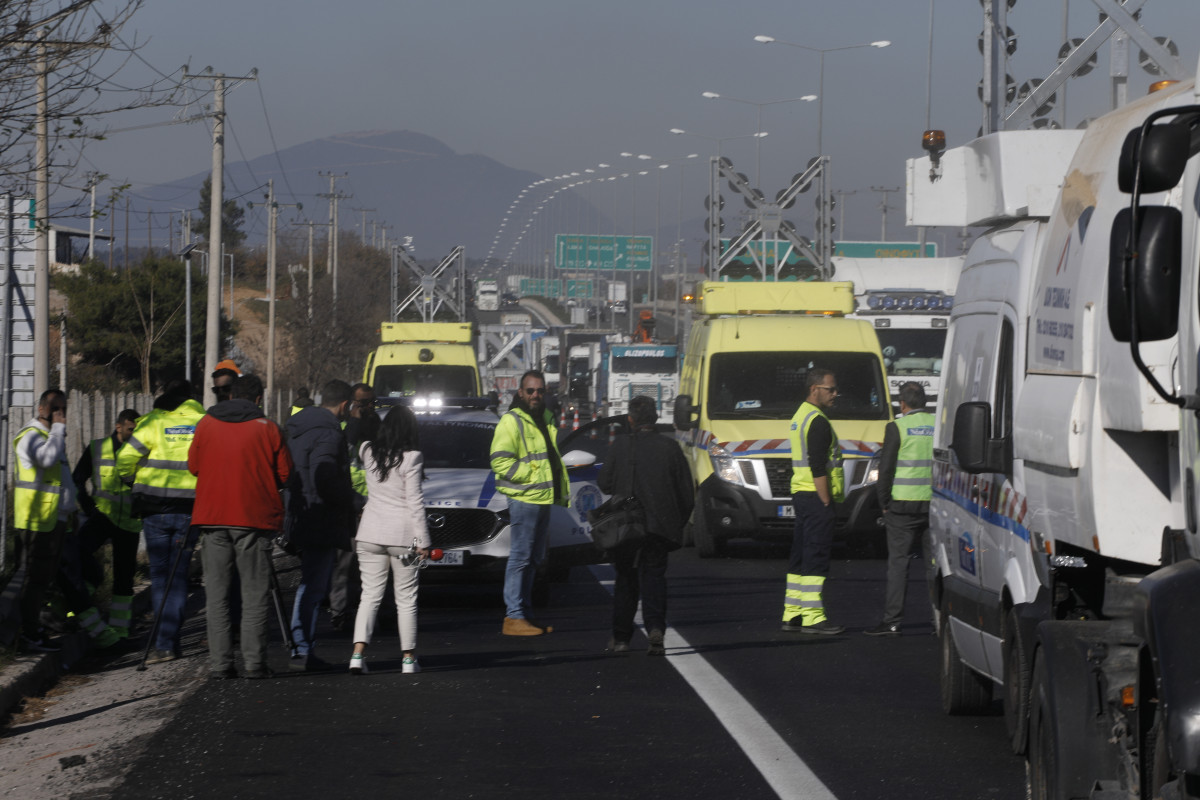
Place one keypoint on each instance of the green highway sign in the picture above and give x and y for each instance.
(539, 287)
(884, 249)
(582, 290)
(580, 252)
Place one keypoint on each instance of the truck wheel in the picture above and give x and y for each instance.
(1016, 684)
(1041, 762)
(964, 691)
(707, 545)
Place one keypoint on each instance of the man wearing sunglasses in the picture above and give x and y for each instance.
(817, 483)
(529, 472)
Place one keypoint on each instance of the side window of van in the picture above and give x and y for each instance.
(1002, 415)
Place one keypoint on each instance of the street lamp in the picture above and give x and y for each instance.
(718, 139)
(808, 98)
(186, 255)
(821, 83)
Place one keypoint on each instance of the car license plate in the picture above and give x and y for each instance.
(786, 511)
(450, 558)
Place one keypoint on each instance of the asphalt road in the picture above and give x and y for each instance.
(496, 717)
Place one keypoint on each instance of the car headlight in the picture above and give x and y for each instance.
(724, 464)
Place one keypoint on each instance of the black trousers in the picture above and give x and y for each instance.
(812, 538)
(641, 572)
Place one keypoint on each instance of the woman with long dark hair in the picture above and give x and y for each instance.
(392, 524)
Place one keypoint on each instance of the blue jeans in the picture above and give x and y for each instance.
(165, 534)
(528, 541)
(316, 570)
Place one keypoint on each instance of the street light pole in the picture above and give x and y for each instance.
(808, 98)
(821, 51)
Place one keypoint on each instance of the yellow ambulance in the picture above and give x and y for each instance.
(748, 355)
(424, 359)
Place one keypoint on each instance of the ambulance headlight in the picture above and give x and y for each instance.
(724, 464)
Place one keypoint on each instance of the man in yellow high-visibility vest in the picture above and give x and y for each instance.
(43, 503)
(817, 483)
(109, 511)
(904, 490)
(155, 461)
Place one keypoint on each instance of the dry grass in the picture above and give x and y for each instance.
(34, 708)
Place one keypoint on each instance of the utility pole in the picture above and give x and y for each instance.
(272, 251)
(362, 237)
(883, 207)
(41, 210)
(842, 195)
(331, 264)
(216, 260)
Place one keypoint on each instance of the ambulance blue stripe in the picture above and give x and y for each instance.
(994, 518)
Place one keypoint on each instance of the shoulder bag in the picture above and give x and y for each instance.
(619, 523)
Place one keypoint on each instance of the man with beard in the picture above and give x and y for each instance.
(529, 472)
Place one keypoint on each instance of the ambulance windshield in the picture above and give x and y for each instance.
(771, 385)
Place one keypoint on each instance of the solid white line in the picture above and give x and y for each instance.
(785, 771)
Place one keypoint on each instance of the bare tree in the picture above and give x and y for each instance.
(78, 45)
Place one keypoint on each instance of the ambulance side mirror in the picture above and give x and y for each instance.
(684, 411)
(972, 444)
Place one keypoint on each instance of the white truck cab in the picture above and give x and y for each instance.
(1064, 511)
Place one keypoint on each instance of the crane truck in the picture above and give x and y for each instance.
(1065, 514)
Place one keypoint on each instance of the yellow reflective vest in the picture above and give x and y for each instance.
(802, 477)
(37, 490)
(112, 497)
(156, 456)
(914, 461)
(521, 459)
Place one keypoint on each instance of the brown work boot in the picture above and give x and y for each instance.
(522, 627)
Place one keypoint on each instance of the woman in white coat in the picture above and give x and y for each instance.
(392, 523)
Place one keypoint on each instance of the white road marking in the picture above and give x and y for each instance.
(785, 771)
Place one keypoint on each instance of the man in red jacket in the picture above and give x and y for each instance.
(240, 462)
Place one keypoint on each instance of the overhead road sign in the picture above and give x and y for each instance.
(576, 251)
(540, 287)
(884, 249)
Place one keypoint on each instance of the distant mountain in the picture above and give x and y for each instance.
(413, 182)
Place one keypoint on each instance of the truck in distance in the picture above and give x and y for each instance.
(487, 295)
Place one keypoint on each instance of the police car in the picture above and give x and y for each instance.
(468, 518)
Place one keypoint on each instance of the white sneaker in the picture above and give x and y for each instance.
(358, 665)
(410, 665)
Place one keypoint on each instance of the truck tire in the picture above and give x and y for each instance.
(1016, 684)
(1041, 761)
(707, 545)
(964, 691)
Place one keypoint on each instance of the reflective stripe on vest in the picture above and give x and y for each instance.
(167, 437)
(36, 491)
(914, 462)
(112, 497)
(539, 489)
(802, 477)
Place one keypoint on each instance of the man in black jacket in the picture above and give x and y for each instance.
(321, 509)
(652, 468)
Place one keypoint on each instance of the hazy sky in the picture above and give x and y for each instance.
(555, 86)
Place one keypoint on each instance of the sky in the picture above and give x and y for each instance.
(557, 86)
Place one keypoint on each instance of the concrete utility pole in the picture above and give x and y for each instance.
(883, 207)
(272, 252)
(41, 210)
(212, 326)
(332, 264)
(842, 195)
(362, 236)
